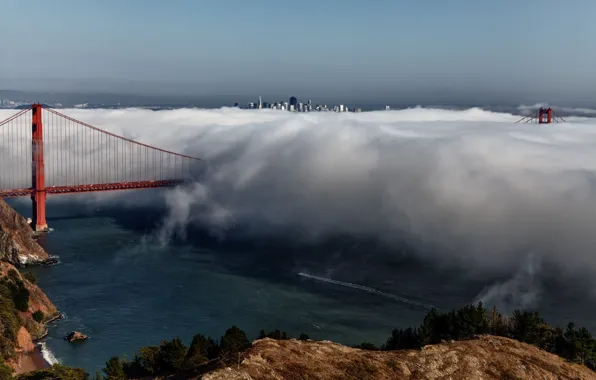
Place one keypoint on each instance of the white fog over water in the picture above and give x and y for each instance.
(471, 190)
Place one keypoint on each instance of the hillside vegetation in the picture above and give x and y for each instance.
(522, 346)
(23, 310)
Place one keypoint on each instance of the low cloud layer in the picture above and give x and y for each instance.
(471, 185)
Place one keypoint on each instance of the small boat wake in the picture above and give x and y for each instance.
(368, 290)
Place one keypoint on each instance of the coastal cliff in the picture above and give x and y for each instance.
(488, 357)
(24, 307)
(16, 243)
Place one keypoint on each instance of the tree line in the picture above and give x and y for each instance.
(205, 353)
(572, 343)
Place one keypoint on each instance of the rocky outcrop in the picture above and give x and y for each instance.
(75, 336)
(486, 358)
(16, 239)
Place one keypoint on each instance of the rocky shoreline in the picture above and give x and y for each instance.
(32, 361)
(19, 249)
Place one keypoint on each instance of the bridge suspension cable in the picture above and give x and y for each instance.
(77, 153)
(15, 151)
(43, 151)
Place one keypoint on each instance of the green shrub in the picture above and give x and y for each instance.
(304, 336)
(172, 354)
(114, 369)
(233, 342)
(275, 334)
(7, 348)
(16, 289)
(6, 373)
(38, 316)
(200, 345)
(9, 320)
(56, 372)
(30, 276)
(147, 361)
(402, 339)
(366, 346)
(14, 275)
(213, 349)
(198, 352)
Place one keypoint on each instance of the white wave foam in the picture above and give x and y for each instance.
(47, 355)
(366, 289)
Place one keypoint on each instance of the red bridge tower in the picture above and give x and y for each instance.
(38, 195)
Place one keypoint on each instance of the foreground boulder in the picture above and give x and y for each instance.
(485, 358)
(75, 335)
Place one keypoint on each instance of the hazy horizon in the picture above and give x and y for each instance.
(395, 51)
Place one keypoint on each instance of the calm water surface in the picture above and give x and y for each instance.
(125, 291)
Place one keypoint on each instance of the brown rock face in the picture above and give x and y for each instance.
(24, 341)
(16, 243)
(485, 358)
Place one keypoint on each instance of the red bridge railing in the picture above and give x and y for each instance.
(44, 152)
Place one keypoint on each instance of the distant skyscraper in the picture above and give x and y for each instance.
(294, 101)
(260, 103)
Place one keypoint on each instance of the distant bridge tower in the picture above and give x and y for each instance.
(545, 115)
(542, 116)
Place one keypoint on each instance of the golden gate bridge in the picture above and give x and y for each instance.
(44, 152)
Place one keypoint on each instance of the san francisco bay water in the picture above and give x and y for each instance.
(125, 290)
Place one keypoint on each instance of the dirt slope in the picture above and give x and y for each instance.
(486, 358)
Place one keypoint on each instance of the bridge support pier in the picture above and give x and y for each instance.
(38, 197)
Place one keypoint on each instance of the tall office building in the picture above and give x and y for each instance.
(294, 101)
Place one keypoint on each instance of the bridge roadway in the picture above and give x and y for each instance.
(89, 188)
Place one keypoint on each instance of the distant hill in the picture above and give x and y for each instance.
(23, 106)
(123, 100)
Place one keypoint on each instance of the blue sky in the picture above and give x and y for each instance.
(463, 47)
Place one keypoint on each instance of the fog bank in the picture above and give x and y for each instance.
(472, 186)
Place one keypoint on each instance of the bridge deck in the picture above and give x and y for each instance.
(89, 188)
